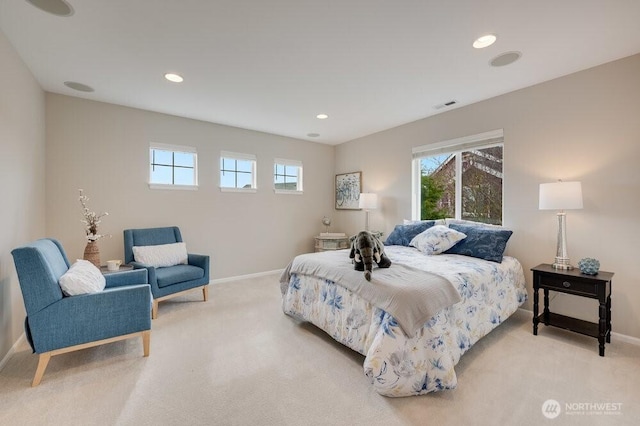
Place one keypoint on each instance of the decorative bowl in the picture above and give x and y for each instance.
(589, 266)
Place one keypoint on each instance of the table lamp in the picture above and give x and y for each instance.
(368, 201)
(561, 196)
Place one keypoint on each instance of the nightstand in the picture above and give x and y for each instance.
(574, 282)
(331, 242)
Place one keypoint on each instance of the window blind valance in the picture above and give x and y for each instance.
(467, 143)
(237, 156)
(175, 148)
(293, 163)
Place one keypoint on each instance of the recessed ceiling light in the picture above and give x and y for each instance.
(484, 41)
(55, 7)
(175, 78)
(78, 86)
(313, 135)
(505, 59)
(322, 116)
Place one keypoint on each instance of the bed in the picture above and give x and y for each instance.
(400, 361)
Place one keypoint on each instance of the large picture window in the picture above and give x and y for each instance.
(460, 179)
(172, 166)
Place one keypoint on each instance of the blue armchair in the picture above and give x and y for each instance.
(58, 324)
(169, 281)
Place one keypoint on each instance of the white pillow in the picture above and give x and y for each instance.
(81, 278)
(437, 239)
(161, 255)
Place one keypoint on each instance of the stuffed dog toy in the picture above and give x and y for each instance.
(365, 249)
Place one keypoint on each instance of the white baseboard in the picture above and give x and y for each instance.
(625, 338)
(9, 354)
(614, 336)
(243, 277)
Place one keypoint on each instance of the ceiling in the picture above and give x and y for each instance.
(273, 65)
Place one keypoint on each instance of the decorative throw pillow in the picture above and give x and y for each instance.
(437, 239)
(435, 221)
(403, 234)
(81, 278)
(482, 242)
(161, 255)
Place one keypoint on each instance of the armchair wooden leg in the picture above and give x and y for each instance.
(146, 338)
(43, 361)
(44, 358)
(154, 310)
(205, 292)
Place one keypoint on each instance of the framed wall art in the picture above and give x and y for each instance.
(348, 187)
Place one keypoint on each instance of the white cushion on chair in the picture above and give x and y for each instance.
(161, 255)
(81, 278)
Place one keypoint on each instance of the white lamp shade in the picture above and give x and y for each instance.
(560, 196)
(368, 201)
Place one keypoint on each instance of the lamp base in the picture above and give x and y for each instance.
(562, 263)
(562, 258)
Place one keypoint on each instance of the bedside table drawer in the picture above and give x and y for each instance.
(569, 284)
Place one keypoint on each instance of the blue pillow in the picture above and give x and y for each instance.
(403, 234)
(481, 242)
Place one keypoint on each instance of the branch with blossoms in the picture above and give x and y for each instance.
(91, 219)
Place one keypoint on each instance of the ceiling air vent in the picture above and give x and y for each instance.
(446, 104)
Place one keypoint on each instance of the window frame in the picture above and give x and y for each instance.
(454, 146)
(288, 163)
(238, 157)
(173, 149)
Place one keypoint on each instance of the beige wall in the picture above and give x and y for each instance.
(584, 127)
(22, 168)
(104, 149)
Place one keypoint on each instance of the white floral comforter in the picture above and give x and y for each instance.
(396, 364)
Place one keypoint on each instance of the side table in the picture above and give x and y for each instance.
(572, 281)
(122, 268)
(326, 242)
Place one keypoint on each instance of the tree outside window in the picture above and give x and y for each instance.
(477, 172)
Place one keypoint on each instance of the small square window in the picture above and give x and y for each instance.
(172, 167)
(287, 176)
(237, 172)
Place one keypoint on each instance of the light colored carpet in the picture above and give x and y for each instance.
(238, 360)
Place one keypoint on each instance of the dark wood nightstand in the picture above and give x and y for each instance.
(574, 282)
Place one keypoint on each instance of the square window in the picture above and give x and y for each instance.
(237, 171)
(287, 176)
(172, 166)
